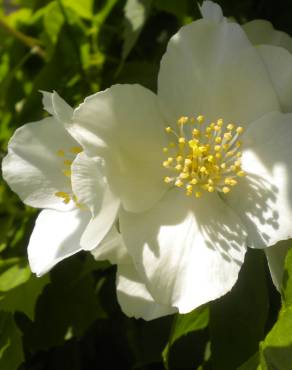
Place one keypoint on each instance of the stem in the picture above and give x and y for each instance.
(30, 42)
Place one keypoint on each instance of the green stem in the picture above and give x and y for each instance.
(30, 42)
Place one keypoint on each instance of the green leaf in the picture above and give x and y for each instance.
(136, 13)
(276, 349)
(53, 21)
(287, 281)
(184, 325)
(66, 307)
(177, 8)
(13, 272)
(251, 364)
(11, 352)
(238, 320)
(83, 8)
(23, 298)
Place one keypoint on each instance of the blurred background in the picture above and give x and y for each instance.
(70, 319)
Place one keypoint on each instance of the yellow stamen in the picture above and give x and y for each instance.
(76, 149)
(205, 157)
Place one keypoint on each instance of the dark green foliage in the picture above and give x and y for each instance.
(70, 318)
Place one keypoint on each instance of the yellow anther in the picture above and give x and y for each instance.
(239, 130)
(189, 187)
(196, 132)
(241, 173)
(65, 196)
(60, 153)
(184, 175)
(167, 180)
(230, 154)
(67, 173)
(168, 129)
(178, 183)
(182, 120)
(76, 149)
(193, 143)
(199, 157)
(202, 149)
(229, 181)
(227, 136)
(200, 119)
(67, 162)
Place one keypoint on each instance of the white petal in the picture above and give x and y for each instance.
(187, 251)
(211, 68)
(90, 186)
(279, 65)
(57, 106)
(32, 166)
(56, 236)
(262, 32)
(276, 261)
(264, 198)
(123, 124)
(112, 248)
(211, 11)
(134, 298)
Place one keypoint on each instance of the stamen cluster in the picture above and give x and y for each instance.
(67, 162)
(203, 157)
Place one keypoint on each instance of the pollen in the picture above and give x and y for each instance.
(76, 149)
(203, 158)
(65, 196)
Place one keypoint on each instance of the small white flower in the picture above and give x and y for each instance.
(202, 169)
(38, 168)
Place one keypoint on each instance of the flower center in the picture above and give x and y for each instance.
(203, 157)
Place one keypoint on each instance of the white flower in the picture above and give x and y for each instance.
(132, 294)
(38, 168)
(203, 168)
